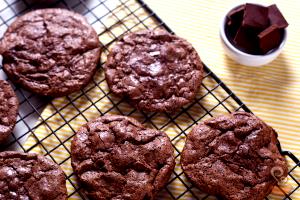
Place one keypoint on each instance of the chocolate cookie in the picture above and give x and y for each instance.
(8, 110)
(115, 157)
(154, 70)
(28, 176)
(51, 52)
(233, 156)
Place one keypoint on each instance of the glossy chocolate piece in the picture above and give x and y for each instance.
(246, 40)
(269, 39)
(276, 17)
(234, 20)
(255, 16)
(235, 16)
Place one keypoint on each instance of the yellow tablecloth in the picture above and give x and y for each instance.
(271, 92)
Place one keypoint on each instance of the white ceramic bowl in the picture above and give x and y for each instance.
(245, 58)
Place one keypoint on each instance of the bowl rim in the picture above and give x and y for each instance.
(235, 49)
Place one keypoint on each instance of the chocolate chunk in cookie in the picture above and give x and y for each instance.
(8, 110)
(116, 157)
(28, 176)
(233, 156)
(154, 70)
(51, 52)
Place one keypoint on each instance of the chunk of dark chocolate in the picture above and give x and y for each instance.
(234, 21)
(270, 38)
(255, 16)
(276, 17)
(246, 40)
(235, 16)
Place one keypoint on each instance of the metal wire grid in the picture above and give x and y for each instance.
(31, 105)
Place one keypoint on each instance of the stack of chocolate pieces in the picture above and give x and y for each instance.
(255, 29)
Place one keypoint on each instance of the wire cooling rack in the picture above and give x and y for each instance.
(49, 130)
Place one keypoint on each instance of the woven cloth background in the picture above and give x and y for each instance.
(271, 92)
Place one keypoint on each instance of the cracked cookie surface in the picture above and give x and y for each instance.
(116, 157)
(233, 156)
(154, 70)
(51, 52)
(8, 110)
(28, 176)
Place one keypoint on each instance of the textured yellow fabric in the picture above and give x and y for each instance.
(271, 91)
